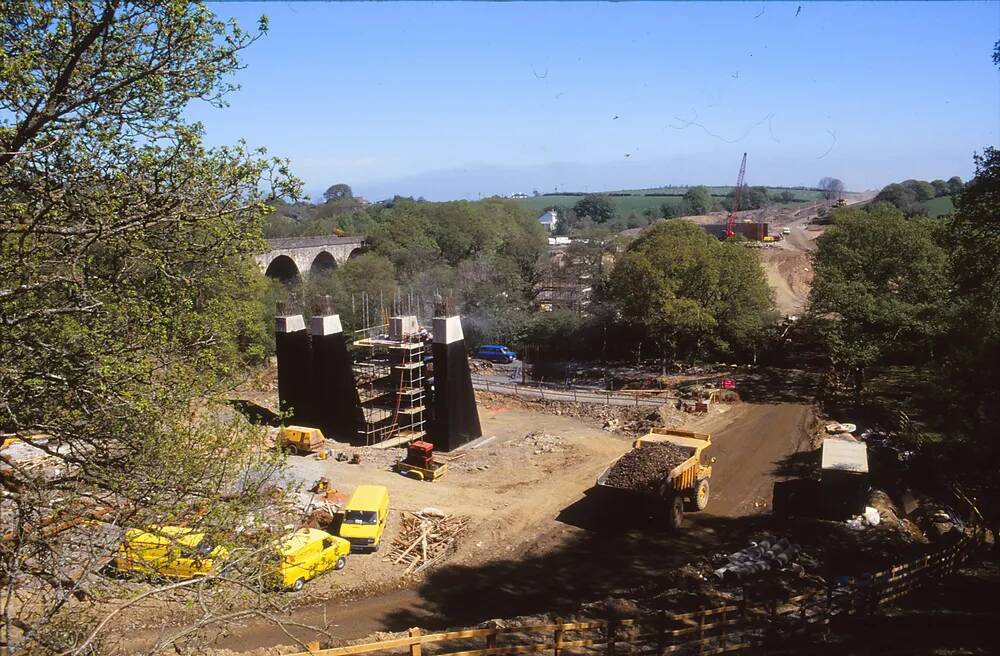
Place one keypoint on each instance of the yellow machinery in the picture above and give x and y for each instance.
(688, 481)
(301, 439)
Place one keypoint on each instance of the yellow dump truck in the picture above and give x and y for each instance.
(677, 478)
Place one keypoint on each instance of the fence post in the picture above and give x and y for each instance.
(611, 630)
(557, 637)
(491, 641)
(415, 646)
(701, 631)
(725, 631)
(661, 631)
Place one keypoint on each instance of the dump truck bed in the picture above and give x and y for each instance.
(681, 476)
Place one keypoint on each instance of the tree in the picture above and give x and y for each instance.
(688, 292)
(336, 192)
(666, 211)
(955, 185)
(126, 284)
(878, 290)
(922, 190)
(786, 196)
(595, 206)
(975, 228)
(831, 188)
(904, 198)
(700, 200)
(941, 188)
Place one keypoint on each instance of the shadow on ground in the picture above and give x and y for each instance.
(776, 385)
(609, 547)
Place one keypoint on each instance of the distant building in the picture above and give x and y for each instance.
(549, 219)
(559, 241)
(519, 195)
(362, 201)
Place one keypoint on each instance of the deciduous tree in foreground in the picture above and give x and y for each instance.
(125, 294)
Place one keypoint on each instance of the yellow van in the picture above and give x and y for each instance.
(307, 553)
(171, 551)
(365, 516)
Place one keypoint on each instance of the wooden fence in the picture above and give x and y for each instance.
(729, 628)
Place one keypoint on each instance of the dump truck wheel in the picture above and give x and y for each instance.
(701, 494)
(299, 583)
(341, 563)
(676, 513)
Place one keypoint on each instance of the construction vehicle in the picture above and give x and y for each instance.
(420, 464)
(685, 484)
(737, 195)
(300, 439)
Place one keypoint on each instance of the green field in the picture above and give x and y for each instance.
(637, 202)
(939, 206)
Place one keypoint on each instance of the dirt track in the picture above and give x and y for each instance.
(574, 544)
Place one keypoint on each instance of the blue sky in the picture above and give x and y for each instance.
(457, 100)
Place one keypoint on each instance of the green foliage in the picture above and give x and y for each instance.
(688, 292)
(955, 185)
(338, 192)
(700, 200)
(879, 286)
(975, 230)
(596, 207)
(126, 285)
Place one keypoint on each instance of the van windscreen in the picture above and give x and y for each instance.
(361, 517)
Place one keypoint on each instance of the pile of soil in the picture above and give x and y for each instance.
(644, 468)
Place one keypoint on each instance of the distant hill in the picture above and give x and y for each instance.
(637, 201)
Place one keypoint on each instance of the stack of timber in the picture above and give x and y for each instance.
(425, 539)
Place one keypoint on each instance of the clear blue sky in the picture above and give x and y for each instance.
(449, 100)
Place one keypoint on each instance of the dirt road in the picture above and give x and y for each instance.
(565, 550)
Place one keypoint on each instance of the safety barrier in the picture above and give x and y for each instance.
(652, 398)
(729, 628)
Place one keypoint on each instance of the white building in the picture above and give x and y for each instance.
(549, 219)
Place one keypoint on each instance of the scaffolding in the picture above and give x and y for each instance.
(389, 373)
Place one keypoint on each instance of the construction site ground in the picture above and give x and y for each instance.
(539, 539)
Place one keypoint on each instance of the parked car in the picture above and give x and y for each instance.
(496, 353)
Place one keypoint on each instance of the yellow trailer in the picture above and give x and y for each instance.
(686, 482)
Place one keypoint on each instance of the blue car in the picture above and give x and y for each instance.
(496, 353)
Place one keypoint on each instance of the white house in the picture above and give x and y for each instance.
(549, 219)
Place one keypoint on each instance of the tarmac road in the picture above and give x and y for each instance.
(749, 450)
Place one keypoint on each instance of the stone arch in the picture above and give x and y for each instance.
(324, 262)
(360, 250)
(283, 268)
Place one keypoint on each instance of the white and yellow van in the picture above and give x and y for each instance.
(170, 551)
(307, 553)
(365, 517)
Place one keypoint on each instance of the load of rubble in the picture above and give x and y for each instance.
(643, 469)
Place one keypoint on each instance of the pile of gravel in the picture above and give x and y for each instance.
(644, 468)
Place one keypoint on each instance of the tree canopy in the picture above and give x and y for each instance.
(126, 286)
(880, 280)
(597, 207)
(690, 293)
(700, 200)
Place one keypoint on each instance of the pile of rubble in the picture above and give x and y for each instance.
(540, 443)
(425, 538)
(644, 469)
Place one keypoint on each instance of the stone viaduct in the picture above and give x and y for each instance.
(296, 257)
